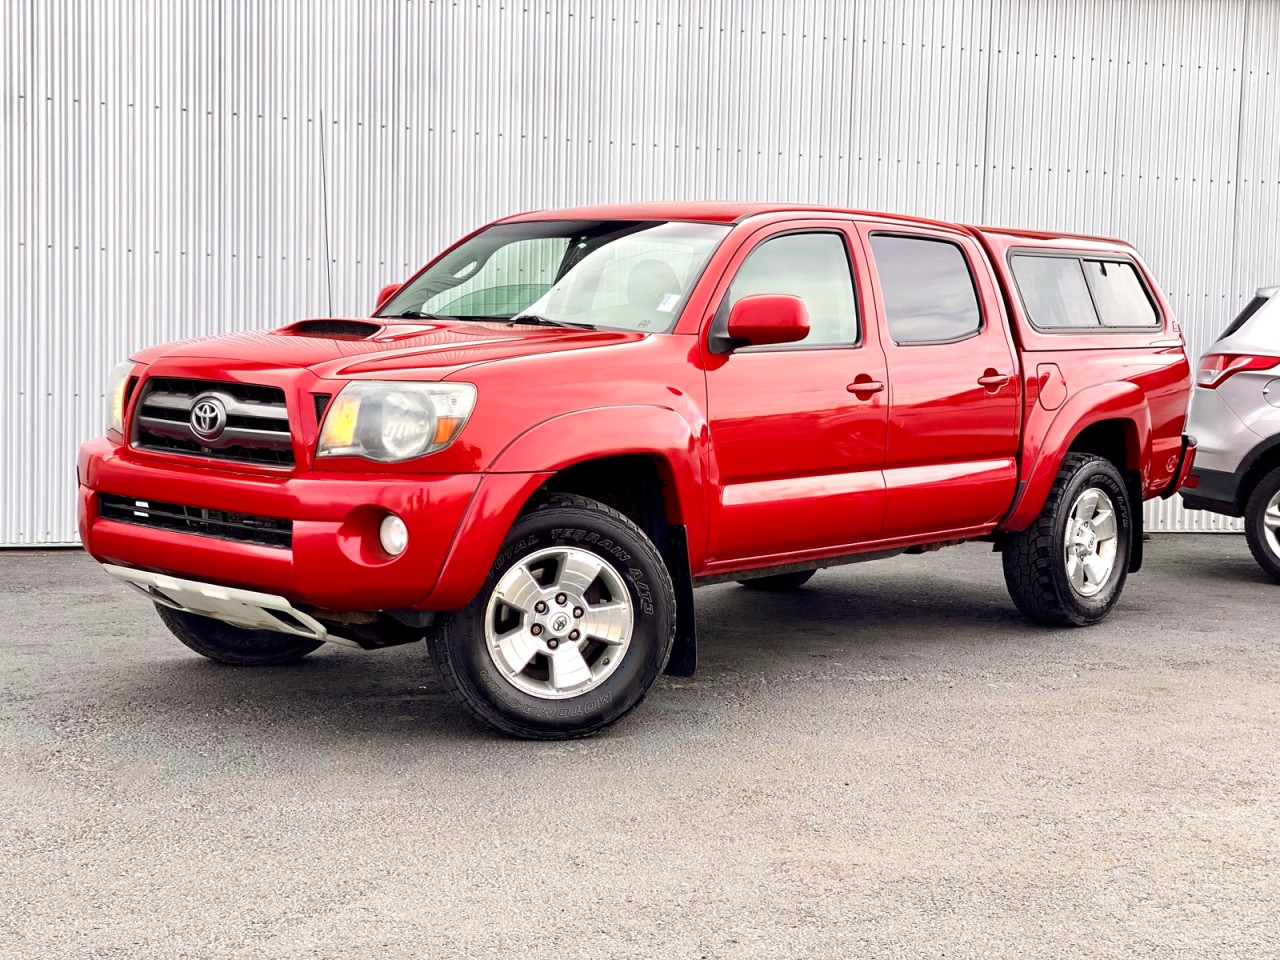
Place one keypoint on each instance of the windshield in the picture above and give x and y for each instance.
(615, 274)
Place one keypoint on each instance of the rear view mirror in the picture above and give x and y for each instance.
(385, 294)
(767, 318)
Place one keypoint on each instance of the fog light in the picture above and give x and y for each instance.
(393, 535)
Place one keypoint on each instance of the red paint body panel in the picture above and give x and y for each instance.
(334, 562)
(769, 456)
(796, 459)
(951, 459)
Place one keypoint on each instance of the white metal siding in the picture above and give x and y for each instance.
(172, 169)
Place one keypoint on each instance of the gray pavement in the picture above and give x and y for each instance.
(888, 763)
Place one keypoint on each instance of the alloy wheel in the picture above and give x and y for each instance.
(558, 623)
(1091, 542)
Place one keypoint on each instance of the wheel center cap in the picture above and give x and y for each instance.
(559, 623)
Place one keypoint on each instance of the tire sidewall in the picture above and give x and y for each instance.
(1102, 475)
(645, 657)
(1255, 510)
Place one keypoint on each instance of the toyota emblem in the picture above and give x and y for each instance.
(208, 418)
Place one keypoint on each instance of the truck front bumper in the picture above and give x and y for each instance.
(334, 561)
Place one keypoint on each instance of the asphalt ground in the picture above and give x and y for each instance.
(888, 763)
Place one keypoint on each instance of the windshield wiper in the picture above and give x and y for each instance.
(536, 319)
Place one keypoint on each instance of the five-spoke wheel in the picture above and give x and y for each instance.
(1090, 547)
(570, 630)
(1069, 566)
(559, 622)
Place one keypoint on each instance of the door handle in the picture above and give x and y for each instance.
(864, 385)
(993, 381)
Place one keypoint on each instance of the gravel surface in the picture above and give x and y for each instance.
(888, 763)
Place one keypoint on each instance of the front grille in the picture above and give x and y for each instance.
(251, 422)
(223, 524)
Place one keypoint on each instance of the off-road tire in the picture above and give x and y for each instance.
(779, 582)
(1254, 531)
(1034, 566)
(235, 646)
(456, 642)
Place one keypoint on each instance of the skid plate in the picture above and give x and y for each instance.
(240, 608)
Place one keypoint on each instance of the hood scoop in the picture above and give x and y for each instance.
(332, 329)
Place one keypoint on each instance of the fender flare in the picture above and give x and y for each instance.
(555, 444)
(1049, 435)
(1249, 463)
(631, 429)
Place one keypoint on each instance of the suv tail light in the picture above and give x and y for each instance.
(1215, 368)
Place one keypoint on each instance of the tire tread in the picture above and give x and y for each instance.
(1259, 497)
(439, 642)
(1029, 555)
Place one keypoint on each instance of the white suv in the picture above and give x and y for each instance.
(1235, 418)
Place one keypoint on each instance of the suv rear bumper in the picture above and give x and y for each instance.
(1216, 491)
(335, 561)
(1227, 491)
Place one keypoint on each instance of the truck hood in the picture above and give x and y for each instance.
(341, 347)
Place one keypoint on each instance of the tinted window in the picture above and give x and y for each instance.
(928, 292)
(813, 267)
(1054, 291)
(1121, 298)
(1244, 316)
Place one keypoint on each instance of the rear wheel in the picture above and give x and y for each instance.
(1262, 523)
(1069, 567)
(780, 582)
(234, 646)
(573, 625)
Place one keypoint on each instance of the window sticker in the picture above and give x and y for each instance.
(668, 302)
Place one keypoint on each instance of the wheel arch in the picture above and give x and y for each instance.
(1111, 420)
(1257, 463)
(618, 454)
(645, 461)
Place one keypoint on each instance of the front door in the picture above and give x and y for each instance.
(954, 406)
(797, 430)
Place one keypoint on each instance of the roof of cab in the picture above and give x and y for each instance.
(705, 211)
(735, 212)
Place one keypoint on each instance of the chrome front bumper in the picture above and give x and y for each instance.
(240, 608)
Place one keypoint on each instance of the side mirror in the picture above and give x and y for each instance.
(385, 294)
(767, 318)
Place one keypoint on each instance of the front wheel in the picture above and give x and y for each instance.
(1069, 567)
(1262, 523)
(235, 646)
(573, 625)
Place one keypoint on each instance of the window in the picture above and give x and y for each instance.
(813, 267)
(615, 274)
(928, 291)
(1070, 292)
(1054, 291)
(514, 276)
(1121, 298)
(1244, 316)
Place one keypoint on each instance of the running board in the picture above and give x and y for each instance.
(240, 608)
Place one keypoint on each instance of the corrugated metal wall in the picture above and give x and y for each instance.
(172, 169)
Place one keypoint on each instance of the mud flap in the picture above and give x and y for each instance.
(684, 652)
(1136, 535)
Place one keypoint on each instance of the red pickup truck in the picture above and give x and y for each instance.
(537, 446)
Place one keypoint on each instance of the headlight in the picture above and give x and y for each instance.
(117, 383)
(386, 421)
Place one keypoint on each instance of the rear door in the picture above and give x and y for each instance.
(797, 430)
(954, 408)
